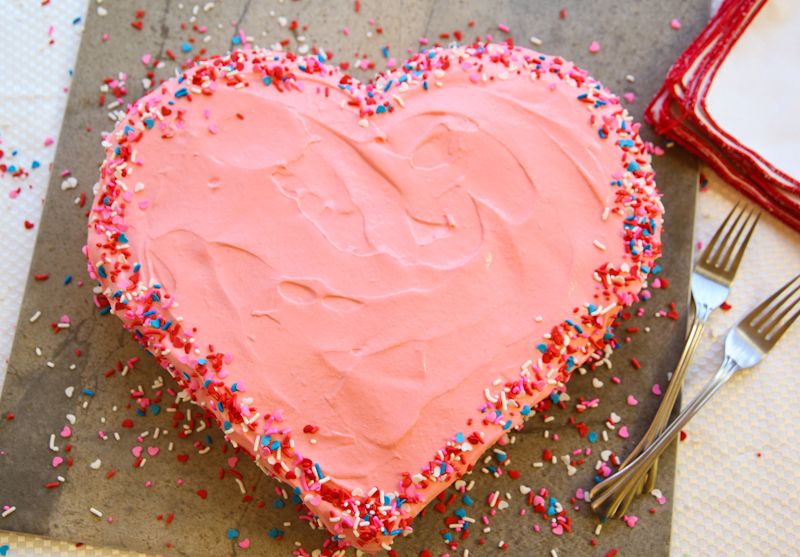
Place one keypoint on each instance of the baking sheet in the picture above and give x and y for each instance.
(634, 40)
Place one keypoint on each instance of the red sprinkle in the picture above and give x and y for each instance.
(635, 363)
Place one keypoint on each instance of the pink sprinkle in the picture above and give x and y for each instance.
(675, 24)
(423, 40)
(146, 59)
(656, 389)
(213, 128)
(558, 529)
(594, 47)
(66, 432)
(537, 528)
(104, 37)
(503, 27)
(623, 432)
(474, 78)
(153, 451)
(629, 97)
(630, 520)
(632, 400)
(346, 31)
(233, 461)
(48, 141)
(137, 451)
(148, 483)
(57, 460)
(245, 543)
(13, 194)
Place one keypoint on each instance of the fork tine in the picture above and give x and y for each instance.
(785, 327)
(726, 245)
(715, 238)
(784, 311)
(758, 317)
(738, 252)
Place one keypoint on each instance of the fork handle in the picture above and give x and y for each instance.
(661, 418)
(664, 411)
(656, 449)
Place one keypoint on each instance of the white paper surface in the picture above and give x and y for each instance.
(755, 95)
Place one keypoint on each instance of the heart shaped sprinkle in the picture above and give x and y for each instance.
(398, 271)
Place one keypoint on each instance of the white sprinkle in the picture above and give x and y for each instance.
(71, 419)
(35, 316)
(598, 529)
(8, 511)
(536, 41)
(95, 465)
(69, 183)
(596, 383)
(52, 444)
(95, 512)
(630, 78)
(38, 351)
(101, 11)
(599, 245)
(553, 553)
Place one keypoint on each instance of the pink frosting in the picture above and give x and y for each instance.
(373, 278)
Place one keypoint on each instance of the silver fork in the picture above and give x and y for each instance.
(711, 282)
(745, 346)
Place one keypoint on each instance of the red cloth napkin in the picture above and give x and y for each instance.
(679, 111)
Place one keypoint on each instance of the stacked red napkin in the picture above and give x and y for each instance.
(681, 112)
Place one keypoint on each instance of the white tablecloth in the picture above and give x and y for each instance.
(737, 483)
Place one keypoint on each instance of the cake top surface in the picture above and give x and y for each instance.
(358, 274)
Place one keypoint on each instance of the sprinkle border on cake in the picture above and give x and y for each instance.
(369, 520)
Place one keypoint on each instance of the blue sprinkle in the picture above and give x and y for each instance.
(202, 361)
(592, 308)
(226, 425)
(35, 164)
(460, 513)
(122, 238)
(467, 500)
(403, 78)
(592, 437)
(626, 143)
(656, 269)
(148, 313)
(87, 392)
(508, 425)
(633, 166)
(236, 40)
(602, 133)
(388, 85)
(185, 375)
(220, 407)
(75, 21)
(182, 92)
(102, 271)
(166, 325)
(12, 168)
(645, 269)
(140, 412)
(525, 410)
(448, 536)
(278, 503)
(275, 533)
(67, 279)
(425, 85)
(234, 387)
(275, 445)
(555, 398)
(577, 328)
(459, 437)
(385, 51)
(155, 323)
(4, 550)
(156, 285)
(137, 267)
(570, 363)
(233, 533)
(500, 457)
(267, 80)
(443, 468)
(381, 109)
(542, 347)
(149, 123)
(155, 409)
(155, 297)
(491, 469)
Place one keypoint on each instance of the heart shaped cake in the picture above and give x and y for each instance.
(368, 284)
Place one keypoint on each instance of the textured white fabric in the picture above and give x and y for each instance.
(727, 500)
